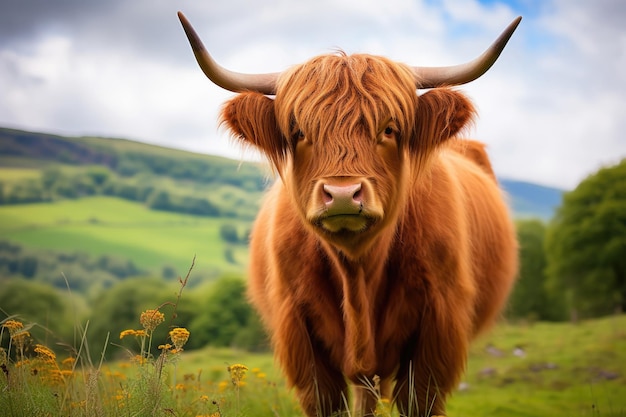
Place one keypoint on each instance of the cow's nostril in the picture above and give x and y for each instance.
(327, 196)
(342, 197)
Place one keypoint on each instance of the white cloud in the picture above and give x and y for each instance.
(551, 109)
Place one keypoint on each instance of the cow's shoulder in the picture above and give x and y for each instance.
(473, 150)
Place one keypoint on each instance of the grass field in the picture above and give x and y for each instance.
(111, 226)
(567, 370)
(19, 173)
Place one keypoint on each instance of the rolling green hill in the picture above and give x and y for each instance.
(103, 225)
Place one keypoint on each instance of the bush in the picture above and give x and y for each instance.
(228, 233)
(39, 304)
(226, 318)
(118, 308)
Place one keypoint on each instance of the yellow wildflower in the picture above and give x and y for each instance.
(150, 319)
(14, 326)
(66, 373)
(204, 398)
(45, 353)
(20, 338)
(237, 373)
(166, 346)
(131, 332)
(54, 377)
(68, 363)
(128, 332)
(179, 337)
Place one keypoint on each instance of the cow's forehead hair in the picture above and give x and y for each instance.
(338, 94)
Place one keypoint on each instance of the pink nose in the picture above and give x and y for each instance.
(343, 199)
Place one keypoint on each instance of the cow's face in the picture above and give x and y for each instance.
(346, 133)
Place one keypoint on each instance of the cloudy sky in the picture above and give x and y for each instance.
(552, 109)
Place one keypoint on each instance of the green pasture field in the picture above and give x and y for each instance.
(10, 174)
(112, 226)
(568, 370)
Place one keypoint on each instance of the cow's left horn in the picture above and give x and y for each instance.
(233, 81)
(430, 77)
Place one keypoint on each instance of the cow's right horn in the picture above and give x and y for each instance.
(430, 77)
(233, 81)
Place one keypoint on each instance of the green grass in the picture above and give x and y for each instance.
(520, 387)
(567, 370)
(199, 382)
(111, 226)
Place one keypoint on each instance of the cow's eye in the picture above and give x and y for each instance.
(389, 133)
(298, 136)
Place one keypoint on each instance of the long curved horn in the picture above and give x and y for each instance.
(233, 81)
(430, 77)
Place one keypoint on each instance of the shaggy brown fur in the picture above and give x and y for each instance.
(398, 290)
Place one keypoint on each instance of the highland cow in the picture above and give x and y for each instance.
(385, 245)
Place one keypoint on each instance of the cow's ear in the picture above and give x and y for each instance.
(441, 114)
(251, 119)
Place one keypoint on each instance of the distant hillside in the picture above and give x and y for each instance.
(50, 167)
(231, 188)
(532, 200)
(126, 157)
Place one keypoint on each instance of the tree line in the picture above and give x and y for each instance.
(216, 314)
(574, 267)
(57, 183)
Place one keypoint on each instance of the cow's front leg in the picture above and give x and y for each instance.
(324, 391)
(365, 397)
(418, 394)
(432, 368)
(320, 386)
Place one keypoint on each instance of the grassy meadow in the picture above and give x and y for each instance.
(565, 370)
(110, 226)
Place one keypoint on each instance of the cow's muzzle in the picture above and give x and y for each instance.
(344, 204)
(343, 199)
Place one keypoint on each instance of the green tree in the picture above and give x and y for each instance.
(226, 318)
(99, 174)
(160, 200)
(119, 309)
(38, 305)
(228, 233)
(586, 244)
(50, 176)
(530, 298)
